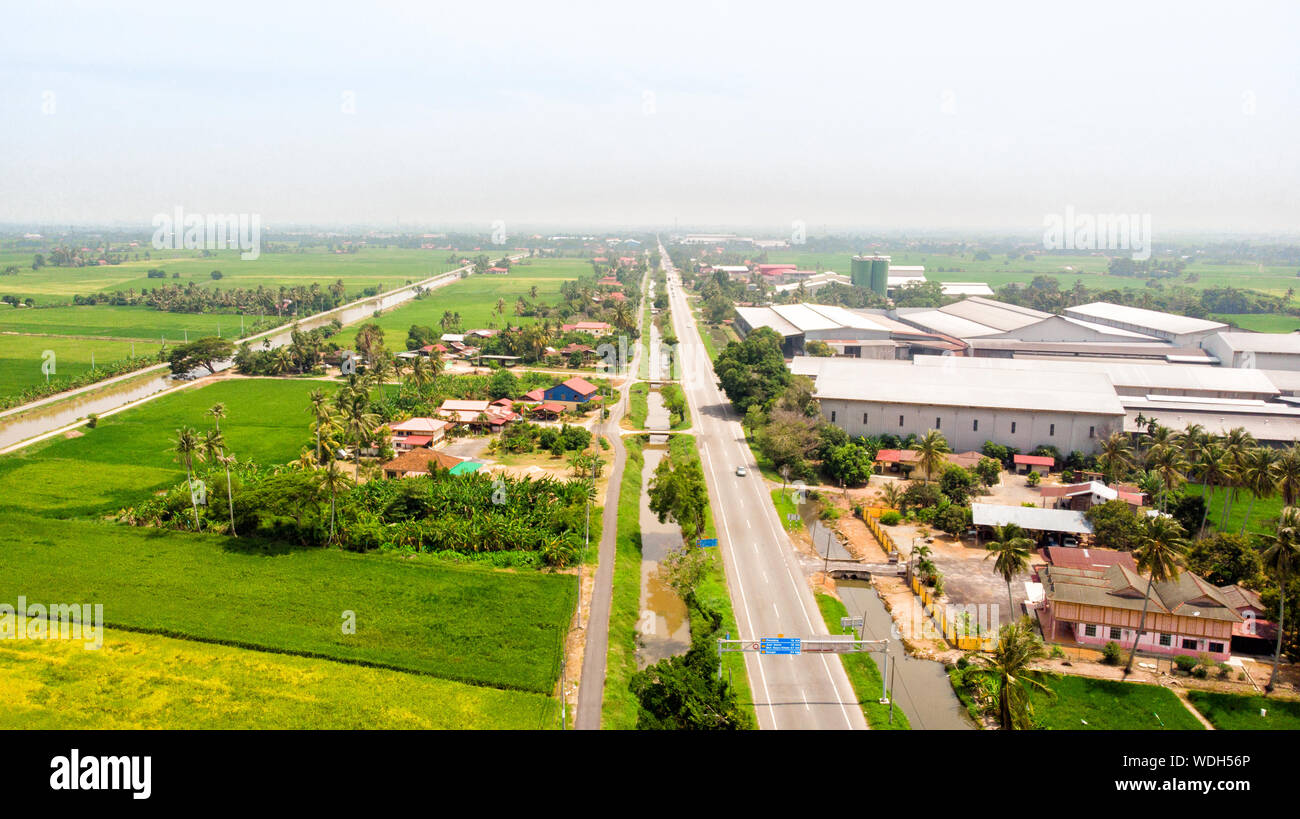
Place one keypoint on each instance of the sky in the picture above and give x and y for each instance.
(842, 116)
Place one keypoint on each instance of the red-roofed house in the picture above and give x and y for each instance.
(535, 395)
(593, 327)
(418, 432)
(1037, 463)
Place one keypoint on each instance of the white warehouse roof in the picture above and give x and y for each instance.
(1262, 342)
(1122, 373)
(899, 382)
(1140, 317)
(1031, 518)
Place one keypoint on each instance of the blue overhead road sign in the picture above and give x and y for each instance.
(708, 542)
(780, 645)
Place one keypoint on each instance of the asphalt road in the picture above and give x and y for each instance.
(768, 589)
(591, 690)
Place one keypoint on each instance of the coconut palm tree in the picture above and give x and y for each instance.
(1259, 478)
(1010, 549)
(1282, 559)
(1116, 456)
(1288, 474)
(1160, 556)
(1008, 668)
(226, 460)
(321, 415)
(1166, 461)
(217, 411)
(332, 478)
(1237, 444)
(930, 450)
(419, 375)
(358, 424)
(186, 447)
(1215, 467)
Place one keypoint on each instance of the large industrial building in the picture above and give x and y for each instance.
(854, 333)
(1017, 408)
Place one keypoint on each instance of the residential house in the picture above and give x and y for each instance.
(476, 414)
(416, 462)
(1095, 606)
(418, 432)
(574, 391)
(1042, 464)
(595, 328)
(1084, 496)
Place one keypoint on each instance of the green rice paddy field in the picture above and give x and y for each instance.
(242, 605)
(389, 267)
(22, 357)
(475, 298)
(1089, 269)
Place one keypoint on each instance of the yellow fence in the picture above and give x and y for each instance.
(929, 602)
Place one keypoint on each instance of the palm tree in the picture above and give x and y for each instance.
(358, 424)
(186, 447)
(1259, 478)
(1160, 557)
(321, 414)
(1010, 549)
(1281, 558)
(1017, 647)
(419, 375)
(1288, 474)
(930, 450)
(332, 478)
(1116, 456)
(1237, 444)
(1215, 465)
(1166, 461)
(891, 494)
(217, 411)
(226, 461)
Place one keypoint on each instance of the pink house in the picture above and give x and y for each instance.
(1097, 605)
(418, 432)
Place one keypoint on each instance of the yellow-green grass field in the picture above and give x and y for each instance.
(266, 600)
(147, 681)
(389, 267)
(458, 622)
(475, 298)
(22, 357)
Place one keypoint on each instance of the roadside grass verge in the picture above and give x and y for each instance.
(147, 681)
(638, 405)
(713, 593)
(1238, 712)
(671, 391)
(464, 623)
(863, 673)
(1087, 704)
(619, 706)
(784, 508)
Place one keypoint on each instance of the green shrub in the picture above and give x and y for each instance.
(1111, 653)
(1185, 662)
(1033, 479)
(891, 518)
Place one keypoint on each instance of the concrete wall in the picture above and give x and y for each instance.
(1065, 431)
(1150, 641)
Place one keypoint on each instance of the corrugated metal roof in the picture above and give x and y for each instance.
(898, 382)
(757, 317)
(1126, 374)
(992, 313)
(1141, 317)
(1287, 343)
(1031, 518)
(940, 322)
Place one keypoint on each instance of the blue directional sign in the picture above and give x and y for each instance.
(708, 542)
(780, 645)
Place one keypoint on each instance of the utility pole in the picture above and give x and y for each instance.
(563, 714)
(891, 688)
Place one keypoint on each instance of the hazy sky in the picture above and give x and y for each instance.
(859, 115)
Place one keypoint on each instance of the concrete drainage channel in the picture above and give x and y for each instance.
(921, 687)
